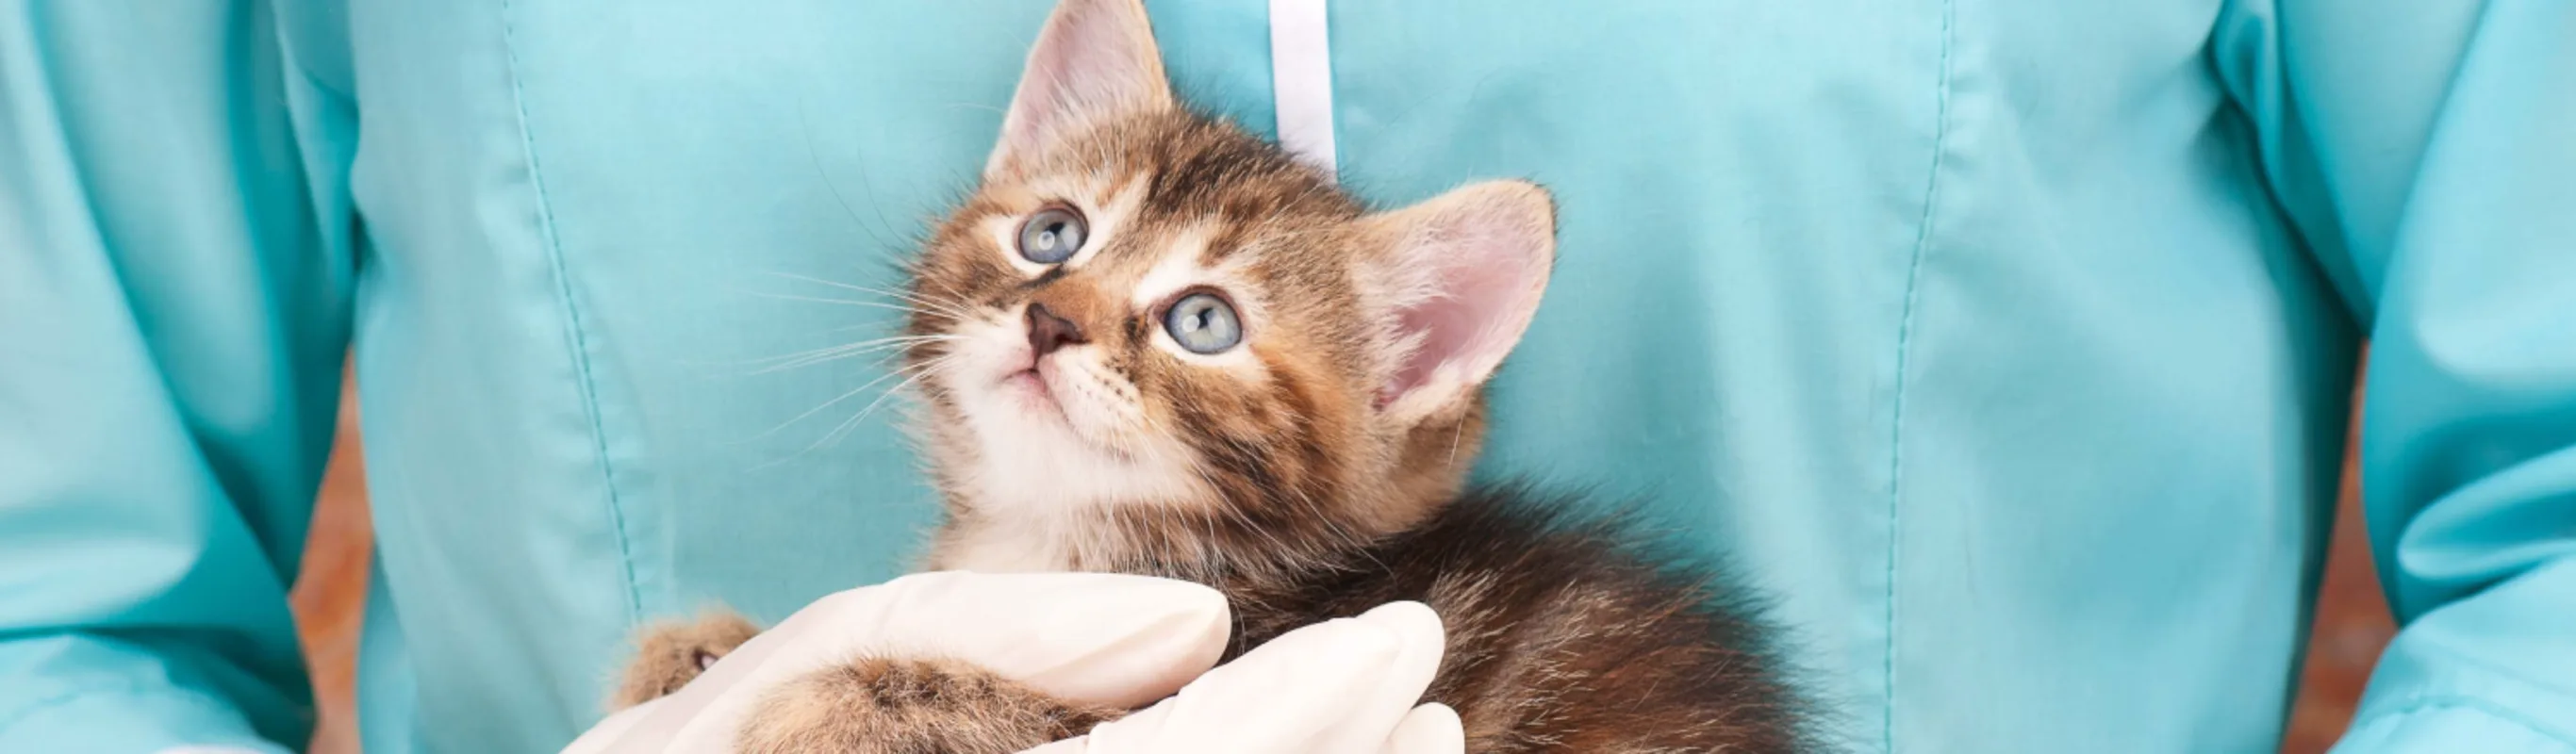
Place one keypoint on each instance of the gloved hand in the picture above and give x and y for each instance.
(1347, 685)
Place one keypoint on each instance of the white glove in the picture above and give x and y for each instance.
(1346, 685)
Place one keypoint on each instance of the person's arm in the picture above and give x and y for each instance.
(2427, 152)
(175, 280)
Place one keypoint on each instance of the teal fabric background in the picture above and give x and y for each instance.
(2006, 344)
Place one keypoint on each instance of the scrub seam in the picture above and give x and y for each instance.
(2449, 703)
(131, 689)
(286, 51)
(585, 384)
(1904, 347)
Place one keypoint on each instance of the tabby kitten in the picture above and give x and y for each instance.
(1167, 348)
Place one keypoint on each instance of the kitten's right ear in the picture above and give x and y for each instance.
(1463, 273)
(1094, 60)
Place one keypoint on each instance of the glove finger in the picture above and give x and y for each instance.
(1404, 678)
(1432, 728)
(606, 736)
(1106, 639)
(1340, 685)
(1110, 639)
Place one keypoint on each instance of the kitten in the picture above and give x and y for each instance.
(1167, 348)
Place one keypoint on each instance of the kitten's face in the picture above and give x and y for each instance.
(1145, 322)
(1156, 321)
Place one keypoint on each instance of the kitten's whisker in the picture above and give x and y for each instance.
(805, 131)
(890, 339)
(836, 353)
(902, 294)
(818, 281)
(841, 301)
(871, 325)
(951, 308)
(830, 403)
(820, 359)
(853, 422)
(917, 372)
(975, 106)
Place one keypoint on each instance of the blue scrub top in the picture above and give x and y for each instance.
(2007, 343)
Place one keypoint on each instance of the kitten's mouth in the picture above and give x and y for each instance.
(1031, 388)
(1028, 379)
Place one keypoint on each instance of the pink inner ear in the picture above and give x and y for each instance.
(1094, 59)
(1076, 69)
(1484, 275)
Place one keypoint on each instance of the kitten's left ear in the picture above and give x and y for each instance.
(1095, 59)
(1466, 270)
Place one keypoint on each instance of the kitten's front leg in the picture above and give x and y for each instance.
(910, 706)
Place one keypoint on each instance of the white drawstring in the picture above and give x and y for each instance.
(1301, 80)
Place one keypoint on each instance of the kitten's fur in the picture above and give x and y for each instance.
(1314, 471)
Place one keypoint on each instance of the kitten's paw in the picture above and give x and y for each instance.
(670, 654)
(882, 706)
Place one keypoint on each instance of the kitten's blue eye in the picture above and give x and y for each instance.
(1052, 235)
(1203, 323)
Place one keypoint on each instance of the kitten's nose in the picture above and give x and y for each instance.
(1048, 332)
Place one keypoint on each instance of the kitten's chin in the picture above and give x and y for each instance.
(1031, 458)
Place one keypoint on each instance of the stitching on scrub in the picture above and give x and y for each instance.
(585, 385)
(135, 689)
(1904, 340)
(2473, 704)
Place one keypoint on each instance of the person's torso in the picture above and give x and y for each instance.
(1965, 329)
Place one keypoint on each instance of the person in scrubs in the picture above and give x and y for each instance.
(2008, 345)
